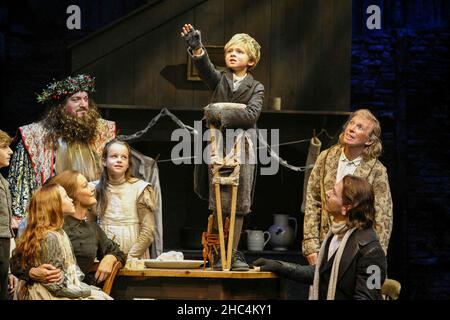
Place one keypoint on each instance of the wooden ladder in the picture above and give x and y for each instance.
(231, 161)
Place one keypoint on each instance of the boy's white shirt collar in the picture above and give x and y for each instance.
(237, 78)
(237, 81)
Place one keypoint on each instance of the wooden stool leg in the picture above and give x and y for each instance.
(220, 225)
(218, 200)
(232, 221)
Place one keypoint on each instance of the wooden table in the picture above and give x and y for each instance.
(197, 284)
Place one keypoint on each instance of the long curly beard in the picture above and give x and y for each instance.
(61, 124)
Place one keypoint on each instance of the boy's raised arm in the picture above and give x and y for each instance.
(193, 39)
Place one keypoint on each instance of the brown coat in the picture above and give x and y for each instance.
(323, 178)
(5, 210)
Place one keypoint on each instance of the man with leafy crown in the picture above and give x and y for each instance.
(70, 136)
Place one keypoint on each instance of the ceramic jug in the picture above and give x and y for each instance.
(256, 239)
(281, 234)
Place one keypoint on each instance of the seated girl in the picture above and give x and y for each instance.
(45, 242)
(89, 241)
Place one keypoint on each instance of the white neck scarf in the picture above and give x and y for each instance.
(340, 229)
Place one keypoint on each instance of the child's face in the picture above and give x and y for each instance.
(117, 161)
(237, 58)
(5, 155)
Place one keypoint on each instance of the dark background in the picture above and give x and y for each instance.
(400, 72)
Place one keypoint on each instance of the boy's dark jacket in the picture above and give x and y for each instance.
(250, 93)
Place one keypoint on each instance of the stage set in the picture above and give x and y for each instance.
(319, 61)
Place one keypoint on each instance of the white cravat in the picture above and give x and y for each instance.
(346, 166)
(237, 81)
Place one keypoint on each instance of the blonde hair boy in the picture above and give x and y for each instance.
(250, 45)
(5, 139)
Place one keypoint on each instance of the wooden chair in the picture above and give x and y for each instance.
(108, 283)
(391, 289)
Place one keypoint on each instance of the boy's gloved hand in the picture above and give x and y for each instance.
(267, 264)
(192, 37)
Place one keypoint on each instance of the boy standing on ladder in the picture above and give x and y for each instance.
(232, 85)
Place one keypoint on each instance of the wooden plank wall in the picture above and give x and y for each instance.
(305, 58)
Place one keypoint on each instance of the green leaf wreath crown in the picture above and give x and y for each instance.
(58, 90)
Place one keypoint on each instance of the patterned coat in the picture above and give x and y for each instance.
(33, 163)
(323, 178)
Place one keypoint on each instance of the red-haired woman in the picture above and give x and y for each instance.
(45, 242)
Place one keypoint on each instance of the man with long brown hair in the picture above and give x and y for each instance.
(71, 136)
(356, 153)
(351, 264)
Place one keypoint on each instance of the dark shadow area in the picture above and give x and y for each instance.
(177, 74)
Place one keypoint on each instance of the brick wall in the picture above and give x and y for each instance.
(404, 77)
